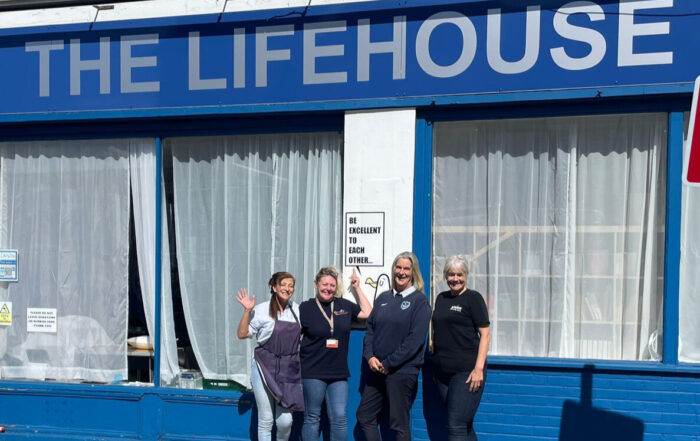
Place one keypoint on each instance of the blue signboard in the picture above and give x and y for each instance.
(330, 54)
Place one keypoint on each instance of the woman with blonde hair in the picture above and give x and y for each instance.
(393, 347)
(325, 322)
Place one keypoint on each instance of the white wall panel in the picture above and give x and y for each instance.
(378, 166)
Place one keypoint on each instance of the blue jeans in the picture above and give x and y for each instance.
(461, 406)
(269, 410)
(335, 392)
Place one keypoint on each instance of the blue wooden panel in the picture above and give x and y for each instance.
(442, 49)
(672, 251)
(518, 404)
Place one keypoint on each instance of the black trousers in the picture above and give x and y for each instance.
(397, 392)
(462, 405)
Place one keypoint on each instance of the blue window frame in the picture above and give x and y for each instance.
(673, 106)
(159, 128)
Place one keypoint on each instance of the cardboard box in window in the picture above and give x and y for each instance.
(228, 385)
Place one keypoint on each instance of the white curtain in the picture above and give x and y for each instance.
(65, 207)
(563, 219)
(245, 207)
(143, 178)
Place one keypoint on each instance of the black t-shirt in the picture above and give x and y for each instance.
(318, 361)
(456, 323)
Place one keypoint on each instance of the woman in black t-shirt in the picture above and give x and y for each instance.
(325, 326)
(460, 343)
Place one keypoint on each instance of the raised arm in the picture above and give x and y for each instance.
(365, 307)
(248, 305)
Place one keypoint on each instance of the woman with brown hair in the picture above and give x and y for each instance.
(276, 371)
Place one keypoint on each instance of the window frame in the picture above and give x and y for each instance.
(158, 129)
(672, 106)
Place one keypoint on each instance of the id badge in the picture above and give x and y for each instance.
(332, 343)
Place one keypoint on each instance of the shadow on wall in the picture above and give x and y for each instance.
(581, 421)
(433, 410)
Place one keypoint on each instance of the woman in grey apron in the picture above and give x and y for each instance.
(276, 370)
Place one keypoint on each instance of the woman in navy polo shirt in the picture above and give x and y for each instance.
(460, 343)
(325, 326)
(393, 348)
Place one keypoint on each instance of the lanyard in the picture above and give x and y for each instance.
(323, 313)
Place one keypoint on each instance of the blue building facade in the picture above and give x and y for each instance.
(460, 67)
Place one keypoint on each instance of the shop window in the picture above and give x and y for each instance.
(563, 222)
(240, 208)
(65, 208)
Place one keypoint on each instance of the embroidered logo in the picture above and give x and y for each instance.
(456, 308)
(405, 304)
(383, 304)
(341, 312)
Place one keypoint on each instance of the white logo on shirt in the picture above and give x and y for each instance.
(383, 304)
(405, 304)
(456, 308)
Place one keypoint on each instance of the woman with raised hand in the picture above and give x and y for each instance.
(275, 374)
(393, 347)
(326, 321)
(461, 339)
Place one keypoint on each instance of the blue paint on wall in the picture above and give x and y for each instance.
(672, 251)
(525, 400)
(522, 402)
(194, 62)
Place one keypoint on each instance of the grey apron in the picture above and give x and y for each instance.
(279, 365)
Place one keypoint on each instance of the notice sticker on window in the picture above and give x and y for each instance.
(8, 265)
(5, 313)
(41, 320)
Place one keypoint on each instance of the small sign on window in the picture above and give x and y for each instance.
(5, 313)
(41, 320)
(8, 265)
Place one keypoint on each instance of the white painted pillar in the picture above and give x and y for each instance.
(379, 154)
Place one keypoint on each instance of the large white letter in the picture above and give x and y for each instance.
(263, 55)
(577, 33)
(532, 42)
(128, 62)
(238, 58)
(628, 30)
(195, 80)
(396, 46)
(44, 48)
(77, 66)
(311, 52)
(466, 27)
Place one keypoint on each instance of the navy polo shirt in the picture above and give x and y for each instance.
(396, 331)
(318, 361)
